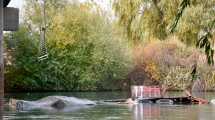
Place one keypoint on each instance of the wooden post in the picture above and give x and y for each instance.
(1, 61)
(11, 18)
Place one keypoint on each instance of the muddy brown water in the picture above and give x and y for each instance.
(112, 112)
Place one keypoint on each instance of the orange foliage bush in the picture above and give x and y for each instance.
(170, 62)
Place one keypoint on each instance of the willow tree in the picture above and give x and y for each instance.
(206, 23)
(33, 15)
(206, 29)
(192, 21)
(145, 19)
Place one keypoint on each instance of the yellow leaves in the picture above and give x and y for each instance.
(86, 6)
(209, 77)
(177, 77)
(152, 69)
(69, 26)
(59, 32)
(128, 13)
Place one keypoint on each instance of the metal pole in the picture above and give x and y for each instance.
(44, 24)
(1, 61)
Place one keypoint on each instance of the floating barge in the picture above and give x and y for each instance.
(152, 94)
(166, 100)
(174, 100)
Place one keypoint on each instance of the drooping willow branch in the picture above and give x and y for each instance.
(204, 41)
(184, 4)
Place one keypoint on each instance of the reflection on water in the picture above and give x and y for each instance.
(118, 112)
(1, 112)
(145, 111)
(173, 112)
(164, 112)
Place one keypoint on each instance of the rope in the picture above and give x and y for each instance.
(43, 53)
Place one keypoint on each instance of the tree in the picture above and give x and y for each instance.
(84, 52)
(145, 19)
(205, 40)
(193, 22)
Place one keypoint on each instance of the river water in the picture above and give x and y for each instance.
(112, 112)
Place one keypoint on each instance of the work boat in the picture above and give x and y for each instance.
(152, 94)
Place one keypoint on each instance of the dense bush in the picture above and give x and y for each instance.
(84, 54)
(89, 51)
(174, 61)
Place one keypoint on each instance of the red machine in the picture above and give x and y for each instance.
(145, 92)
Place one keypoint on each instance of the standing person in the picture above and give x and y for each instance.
(198, 88)
(188, 88)
(196, 83)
